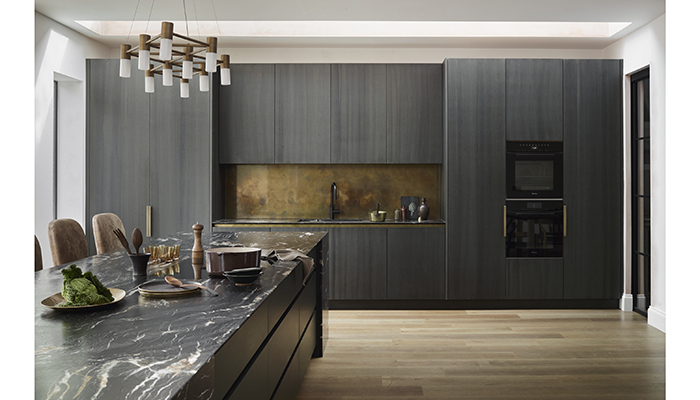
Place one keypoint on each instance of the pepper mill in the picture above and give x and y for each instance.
(197, 251)
(404, 213)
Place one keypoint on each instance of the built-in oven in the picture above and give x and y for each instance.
(534, 228)
(534, 169)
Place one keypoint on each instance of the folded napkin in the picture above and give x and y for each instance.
(290, 255)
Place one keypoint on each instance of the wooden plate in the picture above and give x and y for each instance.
(55, 300)
(161, 288)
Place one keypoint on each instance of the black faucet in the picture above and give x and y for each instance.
(334, 196)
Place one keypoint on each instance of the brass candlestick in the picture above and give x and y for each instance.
(197, 251)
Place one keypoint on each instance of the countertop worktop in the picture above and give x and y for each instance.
(149, 348)
(321, 222)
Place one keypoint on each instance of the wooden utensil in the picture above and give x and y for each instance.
(177, 283)
(122, 239)
(136, 239)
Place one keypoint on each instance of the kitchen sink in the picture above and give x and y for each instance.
(329, 220)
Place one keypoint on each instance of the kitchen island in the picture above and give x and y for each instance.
(246, 342)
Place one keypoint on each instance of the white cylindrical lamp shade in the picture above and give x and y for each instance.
(167, 76)
(150, 81)
(203, 82)
(184, 88)
(125, 62)
(187, 69)
(225, 76)
(225, 70)
(210, 64)
(166, 41)
(144, 52)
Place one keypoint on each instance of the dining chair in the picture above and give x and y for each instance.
(103, 226)
(67, 241)
(38, 263)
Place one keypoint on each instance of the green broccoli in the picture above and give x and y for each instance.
(82, 290)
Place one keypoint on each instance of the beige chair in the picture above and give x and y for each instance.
(67, 241)
(103, 226)
(38, 263)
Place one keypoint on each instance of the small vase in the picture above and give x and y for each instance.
(423, 210)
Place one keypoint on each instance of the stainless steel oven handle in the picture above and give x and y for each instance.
(504, 221)
(564, 221)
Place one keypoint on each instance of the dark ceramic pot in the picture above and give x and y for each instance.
(140, 263)
(222, 259)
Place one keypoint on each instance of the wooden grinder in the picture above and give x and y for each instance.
(197, 251)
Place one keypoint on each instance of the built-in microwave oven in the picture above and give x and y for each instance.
(534, 169)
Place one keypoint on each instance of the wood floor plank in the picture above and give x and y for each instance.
(490, 354)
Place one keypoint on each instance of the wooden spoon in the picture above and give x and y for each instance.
(177, 283)
(137, 239)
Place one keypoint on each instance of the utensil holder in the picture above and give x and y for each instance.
(140, 263)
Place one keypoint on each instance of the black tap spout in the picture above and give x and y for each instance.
(334, 196)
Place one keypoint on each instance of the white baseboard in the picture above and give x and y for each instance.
(657, 319)
(626, 302)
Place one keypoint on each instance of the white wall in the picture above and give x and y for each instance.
(647, 47)
(60, 54)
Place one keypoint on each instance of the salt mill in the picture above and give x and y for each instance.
(197, 251)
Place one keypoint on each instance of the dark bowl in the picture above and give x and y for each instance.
(225, 259)
(242, 279)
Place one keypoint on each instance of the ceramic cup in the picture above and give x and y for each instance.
(140, 263)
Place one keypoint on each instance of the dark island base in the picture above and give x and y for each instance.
(473, 304)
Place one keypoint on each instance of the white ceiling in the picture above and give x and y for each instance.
(636, 12)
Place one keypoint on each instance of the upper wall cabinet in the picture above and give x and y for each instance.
(358, 113)
(302, 113)
(414, 113)
(533, 99)
(247, 115)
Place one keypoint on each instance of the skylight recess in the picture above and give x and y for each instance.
(364, 29)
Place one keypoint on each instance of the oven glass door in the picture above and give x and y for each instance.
(534, 175)
(534, 229)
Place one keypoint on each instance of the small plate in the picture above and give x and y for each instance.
(54, 301)
(161, 288)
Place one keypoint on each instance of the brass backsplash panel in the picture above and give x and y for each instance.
(303, 190)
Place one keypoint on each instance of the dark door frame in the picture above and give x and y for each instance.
(640, 284)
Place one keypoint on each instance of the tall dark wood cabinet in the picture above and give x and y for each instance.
(593, 179)
(302, 113)
(414, 113)
(180, 153)
(358, 113)
(533, 99)
(146, 150)
(475, 182)
(117, 145)
(247, 115)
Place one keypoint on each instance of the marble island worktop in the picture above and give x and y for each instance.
(150, 348)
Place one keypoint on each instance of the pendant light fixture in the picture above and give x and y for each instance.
(175, 59)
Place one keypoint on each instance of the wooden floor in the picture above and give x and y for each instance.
(534, 354)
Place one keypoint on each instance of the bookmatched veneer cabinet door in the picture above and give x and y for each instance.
(247, 115)
(475, 183)
(358, 113)
(533, 99)
(414, 113)
(357, 263)
(416, 263)
(302, 113)
(117, 145)
(180, 159)
(593, 181)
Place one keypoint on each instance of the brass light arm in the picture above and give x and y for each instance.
(198, 42)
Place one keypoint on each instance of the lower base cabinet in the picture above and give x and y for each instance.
(416, 263)
(535, 278)
(281, 335)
